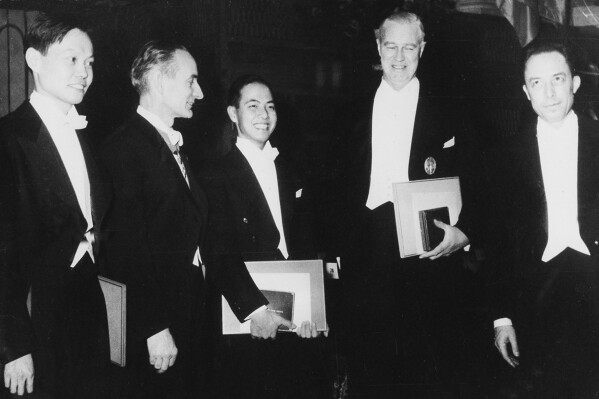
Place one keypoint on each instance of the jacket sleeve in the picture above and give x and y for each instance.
(225, 267)
(16, 330)
(127, 252)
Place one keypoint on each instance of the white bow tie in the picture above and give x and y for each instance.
(75, 121)
(174, 137)
(270, 153)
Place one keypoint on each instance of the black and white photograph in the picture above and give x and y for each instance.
(285, 199)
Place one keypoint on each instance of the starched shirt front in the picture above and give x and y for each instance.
(393, 115)
(558, 150)
(62, 130)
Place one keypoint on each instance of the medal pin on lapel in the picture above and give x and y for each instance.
(430, 165)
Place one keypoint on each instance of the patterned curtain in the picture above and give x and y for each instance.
(524, 15)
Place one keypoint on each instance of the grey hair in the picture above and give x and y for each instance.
(402, 17)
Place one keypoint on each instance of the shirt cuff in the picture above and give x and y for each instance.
(254, 312)
(502, 322)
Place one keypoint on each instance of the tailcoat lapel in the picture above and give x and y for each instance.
(167, 159)
(529, 165)
(245, 181)
(42, 154)
(286, 197)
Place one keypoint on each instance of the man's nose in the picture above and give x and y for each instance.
(263, 112)
(399, 54)
(82, 69)
(549, 90)
(197, 92)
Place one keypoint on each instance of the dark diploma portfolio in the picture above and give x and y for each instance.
(431, 234)
(281, 303)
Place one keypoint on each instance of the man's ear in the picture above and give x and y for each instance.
(378, 46)
(526, 92)
(422, 48)
(232, 111)
(575, 83)
(33, 59)
(156, 80)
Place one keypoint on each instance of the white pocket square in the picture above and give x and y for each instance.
(449, 143)
(298, 193)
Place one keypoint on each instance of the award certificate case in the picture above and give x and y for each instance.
(411, 198)
(302, 278)
(115, 295)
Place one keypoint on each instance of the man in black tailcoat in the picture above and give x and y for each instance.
(408, 330)
(155, 228)
(52, 204)
(545, 245)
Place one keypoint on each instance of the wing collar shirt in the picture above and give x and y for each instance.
(173, 140)
(393, 116)
(62, 130)
(558, 149)
(262, 163)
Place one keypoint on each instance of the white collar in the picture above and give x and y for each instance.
(175, 137)
(410, 90)
(569, 127)
(250, 151)
(51, 114)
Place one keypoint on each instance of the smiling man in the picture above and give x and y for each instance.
(51, 206)
(545, 254)
(253, 218)
(155, 227)
(398, 133)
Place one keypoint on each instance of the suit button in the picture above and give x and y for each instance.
(596, 242)
(253, 238)
(245, 221)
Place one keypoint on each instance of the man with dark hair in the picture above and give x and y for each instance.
(254, 218)
(155, 227)
(544, 257)
(407, 309)
(51, 206)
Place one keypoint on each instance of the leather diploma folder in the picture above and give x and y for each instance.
(280, 303)
(417, 203)
(431, 234)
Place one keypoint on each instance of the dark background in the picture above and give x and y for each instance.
(316, 54)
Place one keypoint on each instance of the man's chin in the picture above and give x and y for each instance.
(185, 115)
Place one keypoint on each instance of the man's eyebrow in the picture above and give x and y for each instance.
(257, 101)
(388, 42)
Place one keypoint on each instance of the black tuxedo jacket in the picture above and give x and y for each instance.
(435, 124)
(155, 223)
(519, 221)
(41, 226)
(242, 227)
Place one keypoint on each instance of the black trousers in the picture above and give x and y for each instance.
(287, 367)
(558, 329)
(403, 330)
(73, 355)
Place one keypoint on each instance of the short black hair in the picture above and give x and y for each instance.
(50, 28)
(234, 94)
(543, 47)
(154, 53)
